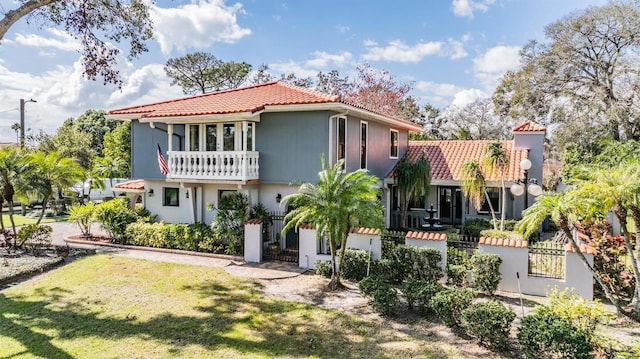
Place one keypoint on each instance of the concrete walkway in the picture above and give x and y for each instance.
(266, 270)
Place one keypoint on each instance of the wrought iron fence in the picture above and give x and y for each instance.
(547, 259)
(274, 246)
(459, 252)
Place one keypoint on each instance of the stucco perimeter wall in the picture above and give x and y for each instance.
(308, 247)
(253, 242)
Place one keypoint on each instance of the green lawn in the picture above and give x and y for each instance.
(22, 220)
(113, 307)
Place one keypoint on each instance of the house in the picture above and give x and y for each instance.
(261, 140)
(447, 158)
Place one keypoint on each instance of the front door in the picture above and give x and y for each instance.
(450, 205)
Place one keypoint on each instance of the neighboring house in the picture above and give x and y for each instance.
(447, 158)
(261, 140)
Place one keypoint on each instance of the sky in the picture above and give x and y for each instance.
(452, 51)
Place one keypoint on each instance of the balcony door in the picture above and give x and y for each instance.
(214, 137)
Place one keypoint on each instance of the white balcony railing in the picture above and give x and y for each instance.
(215, 165)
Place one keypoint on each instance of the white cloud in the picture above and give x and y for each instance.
(295, 68)
(466, 8)
(197, 25)
(343, 29)
(467, 96)
(456, 50)
(491, 65)
(60, 41)
(323, 60)
(440, 89)
(398, 51)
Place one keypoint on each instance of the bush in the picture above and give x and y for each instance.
(233, 211)
(82, 215)
(188, 237)
(546, 335)
(419, 293)
(473, 226)
(354, 264)
(370, 284)
(34, 236)
(450, 303)
(457, 257)
(456, 274)
(489, 322)
(323, 268)
(115, 215)
(418, 263)
(387, 269)
(385, 299)
(485, 271)
(492, 233)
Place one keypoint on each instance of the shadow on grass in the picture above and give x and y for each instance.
(268, 327)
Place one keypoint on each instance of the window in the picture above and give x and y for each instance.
(393, 144)
(171, 196)
(229, 137)
(494, 196)
(341, 138)
(225, 193)
(364, 129)
(211, 134)
(249, 136)
(194, 137)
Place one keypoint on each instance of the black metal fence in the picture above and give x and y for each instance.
(460, 251)
(274, 248)
(547, 259)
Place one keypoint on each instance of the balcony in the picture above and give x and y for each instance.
(213, 165)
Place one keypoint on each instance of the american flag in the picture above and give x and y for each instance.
(162, 163)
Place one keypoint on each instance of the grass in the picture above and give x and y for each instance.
(110, 307)
(22, 220)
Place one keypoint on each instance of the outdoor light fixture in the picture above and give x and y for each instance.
(150, 192)
(529, 185)
(22, 102)
(278, 198)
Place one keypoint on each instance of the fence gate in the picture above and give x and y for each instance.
(278, 247)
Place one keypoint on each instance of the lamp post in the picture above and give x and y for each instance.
(22, 102)
(526, 185)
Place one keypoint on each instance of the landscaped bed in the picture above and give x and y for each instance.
(21, 264)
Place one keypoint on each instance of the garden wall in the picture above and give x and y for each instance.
(362, 238)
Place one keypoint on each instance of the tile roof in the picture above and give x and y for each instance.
(490, 241)
(427, 236)
(367, 231)
(253, 221)
(529, 126)
(245, 99)
(447, 158)
(133, 185)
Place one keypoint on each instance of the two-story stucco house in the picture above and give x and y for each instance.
(260, 140)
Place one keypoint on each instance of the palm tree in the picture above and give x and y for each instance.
(109, 168)
(11, 168)
(413, 180)
(496, 158)
(564, 209)
(339, 202)
(474, 187)
(50, 170)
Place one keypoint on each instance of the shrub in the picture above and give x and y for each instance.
(228, 226)
(419, 293)
(354, 264)
(418, 263)
(485, 271)
(115, 215)
(492, 233)
(82, 215)
(546, 335)
(323, 268)
(386, 268)
(457, 257)
(473, 226)
(370, 284)
(385, 299)
(489, 322)
(34, 236)
(188, 237)
(450, 303)
(456, 274)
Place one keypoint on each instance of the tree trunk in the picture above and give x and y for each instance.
(621, 213)
(493, 211)
(13, 224)
(335, 283)
(504, 201)
(11, 17)
(44, 206)
(404, 209)
(564, 226)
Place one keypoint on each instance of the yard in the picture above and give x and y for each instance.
(109, 306)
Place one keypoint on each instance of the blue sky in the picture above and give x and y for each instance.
(453, 51)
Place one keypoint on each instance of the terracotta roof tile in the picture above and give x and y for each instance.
(583, 248)
(367, 231)
(490, 241)
(427, 236)
(136, 185)
(529, 126)
(306, 226)
(447, 158)
(253, 221)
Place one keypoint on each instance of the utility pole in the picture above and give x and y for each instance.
(22, 102)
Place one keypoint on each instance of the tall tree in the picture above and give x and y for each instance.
(117, 144)
(476, 120)
(202, 72)
(16, 128)
(12, 166)
(96, 124)
(70, 142)
(474, 187)
(86, 21)
(497, 159)
(332, 83)
(339, 202)
(413, 179)
(587, 69)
